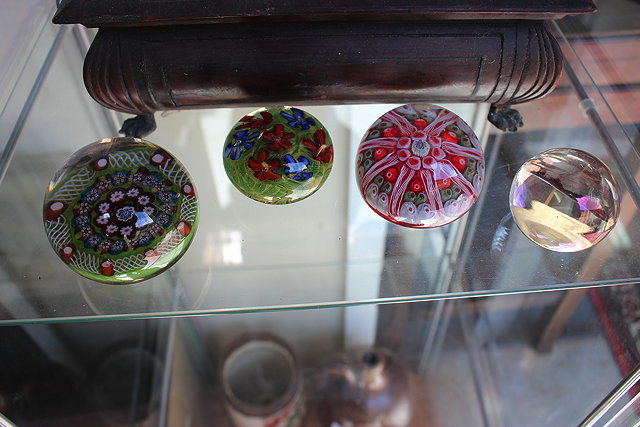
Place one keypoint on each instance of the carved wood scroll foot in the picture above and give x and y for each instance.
(504, 118)
(139, 126)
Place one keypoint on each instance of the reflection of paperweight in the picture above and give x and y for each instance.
(120, 210)
(278, 155)
(565, 200)
(125, 387)
(420, 166)
(262, 383)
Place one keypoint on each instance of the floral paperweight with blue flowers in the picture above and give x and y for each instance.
(278, 155)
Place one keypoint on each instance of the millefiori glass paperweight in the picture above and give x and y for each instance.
(420, 166)
(120, 210)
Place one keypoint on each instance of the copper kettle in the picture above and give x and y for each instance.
(366, 387)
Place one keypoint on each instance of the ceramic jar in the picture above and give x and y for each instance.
(262, 383)
(367, 387)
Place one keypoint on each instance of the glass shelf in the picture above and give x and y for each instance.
(329, 250)
(482, 369)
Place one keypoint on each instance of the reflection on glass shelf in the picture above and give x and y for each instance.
(25, 24)
(100, 375)
(328, 250)
(440, 363)
(607, 44)
(620, 407)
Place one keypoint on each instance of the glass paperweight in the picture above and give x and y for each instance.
(420, 166)
(120, 210)
(565, 200)
(278, 155)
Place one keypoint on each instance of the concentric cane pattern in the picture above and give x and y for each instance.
(278, 155)
(120, 210)
(420, 166)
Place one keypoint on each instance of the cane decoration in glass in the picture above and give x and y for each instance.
(565, 200)
(120, 210)
(278, 155)
(420, 166)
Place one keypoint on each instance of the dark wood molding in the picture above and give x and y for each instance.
(104, 13)
(142, 70)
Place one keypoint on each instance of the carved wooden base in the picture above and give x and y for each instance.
(147, 69)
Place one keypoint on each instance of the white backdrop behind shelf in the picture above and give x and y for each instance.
(327, 248)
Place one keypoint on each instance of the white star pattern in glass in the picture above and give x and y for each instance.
(420, 166)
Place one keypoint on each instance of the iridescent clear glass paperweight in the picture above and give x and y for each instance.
(565, 200)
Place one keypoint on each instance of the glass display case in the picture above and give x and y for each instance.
(470, 323)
